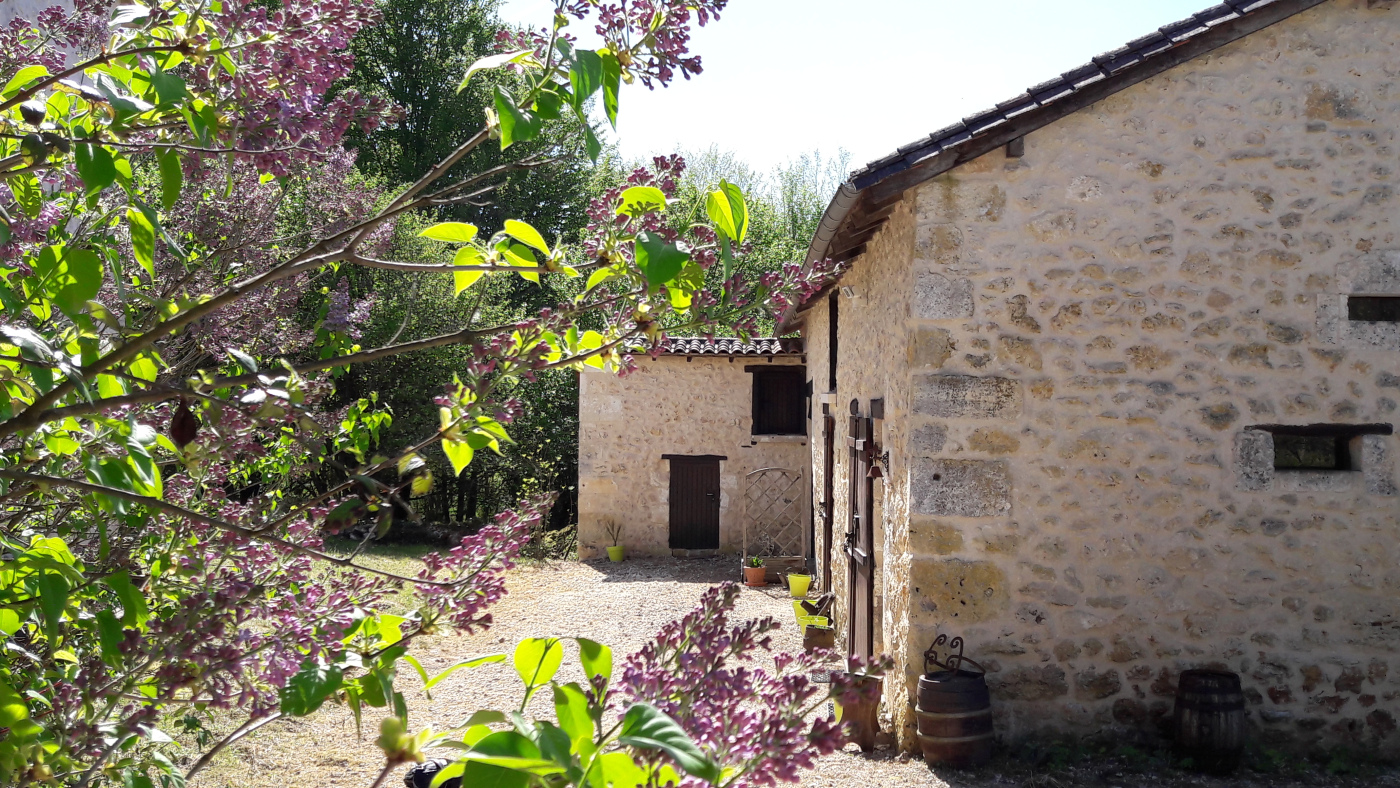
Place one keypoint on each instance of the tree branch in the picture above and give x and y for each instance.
(213, 522)
(243, 730)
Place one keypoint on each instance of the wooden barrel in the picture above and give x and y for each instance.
(954, 715)
(1209, 719)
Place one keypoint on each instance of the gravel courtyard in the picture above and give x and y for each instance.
(623, 605)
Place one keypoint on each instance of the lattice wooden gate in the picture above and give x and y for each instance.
(775, 513)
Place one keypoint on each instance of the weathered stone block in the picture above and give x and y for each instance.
(1043, 683)
(936, 297)
(927, 441)
(1254, 460)
(964, 396)
(960, 488)
(933, 537)
(930, 347)
(993, 441)
(1377, 464)
(1093, 685)
(951, 591)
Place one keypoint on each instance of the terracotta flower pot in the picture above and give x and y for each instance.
(755, 576)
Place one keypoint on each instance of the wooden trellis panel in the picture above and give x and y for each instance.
(775, 522)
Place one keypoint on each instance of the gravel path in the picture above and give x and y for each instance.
(624, 605)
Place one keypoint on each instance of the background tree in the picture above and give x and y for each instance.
(149, 565)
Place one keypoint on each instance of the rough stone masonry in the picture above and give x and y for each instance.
(1085, 354)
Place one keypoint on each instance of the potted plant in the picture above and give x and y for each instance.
(755, 574)
(616, 552)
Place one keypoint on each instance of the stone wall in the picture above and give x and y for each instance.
(1093, 330)
(670, 405)
(873, 358)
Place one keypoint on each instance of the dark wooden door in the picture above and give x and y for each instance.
(694, 503)
(860, 547)
(828, 492)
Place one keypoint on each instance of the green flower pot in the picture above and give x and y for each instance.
(615, 553)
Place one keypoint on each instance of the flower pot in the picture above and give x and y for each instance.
(798, 584)
(754, 576)
(615, 553)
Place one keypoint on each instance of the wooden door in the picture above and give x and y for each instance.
(828, 492)
(694, 502)
(860, 547)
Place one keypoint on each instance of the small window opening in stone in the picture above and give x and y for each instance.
(1374, 309)
(1312, 452)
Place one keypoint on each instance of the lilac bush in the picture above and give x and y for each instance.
(164, 396)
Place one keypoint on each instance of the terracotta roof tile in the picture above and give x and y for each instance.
(731, 346)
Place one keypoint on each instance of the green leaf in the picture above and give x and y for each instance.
(22, 78)
(538, 659)
(680, 299)
(53, 598)
(28, 194)
(526, 234)
(13, 709)
(62, 445)
(482, 775)
(144, 367)
(95, 166)
(585, 76)
(492, 61)
(726, 208)
(612, 85)
(458, 453)
(451, 232)
(10, 621)
(310, 687)
(244, 360)
(618, 770)
(143, 240)
(466, 663)
(73, 276)
(511, 750)
(114, 474)
(571, 709)
(172, 178)
(599, 276)
(641, 199)
(590, 141)
(646, 727)
(517, 125)
(134, 610)
(548, 103)
(169, 88)
(659, 261)
(467, 255)
(520, 256)
(110, 636)
(597, 659)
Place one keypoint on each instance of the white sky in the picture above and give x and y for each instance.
(783, 77)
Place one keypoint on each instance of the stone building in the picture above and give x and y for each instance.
(1109, 384)
(704, 439)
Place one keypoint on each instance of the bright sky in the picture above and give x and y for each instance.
(783, 77)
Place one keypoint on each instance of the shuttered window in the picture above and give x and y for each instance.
(780, 400)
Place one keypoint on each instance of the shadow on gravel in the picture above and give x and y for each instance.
(1114, 769)
(712, 571)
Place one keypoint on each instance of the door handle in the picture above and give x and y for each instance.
(850, 538)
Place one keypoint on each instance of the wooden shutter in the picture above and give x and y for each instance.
(780, 400)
